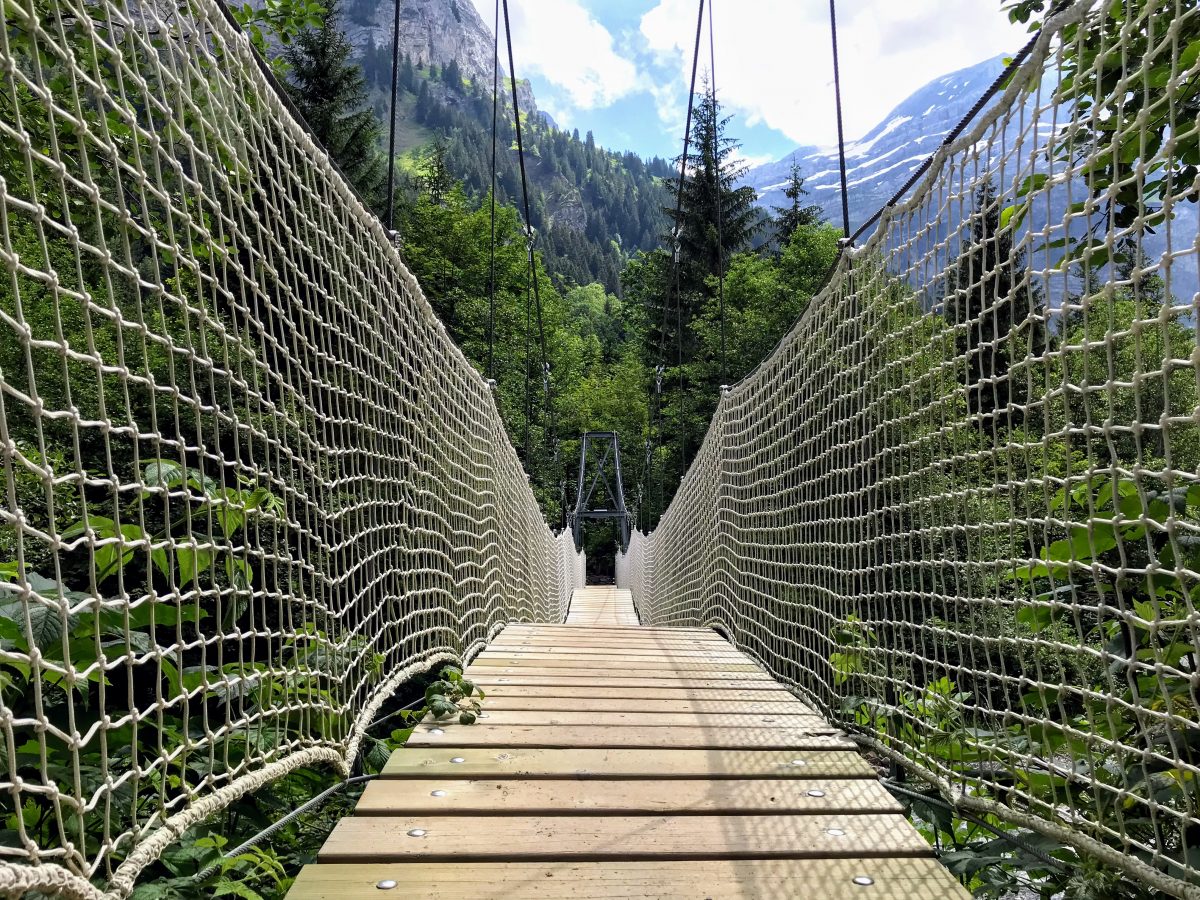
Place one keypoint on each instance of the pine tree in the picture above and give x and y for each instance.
(797, 214)
(331, 94)
(995, 306)
(452, 76)
(408, 75)
(424, 104)
(716, 217)
(436, 179)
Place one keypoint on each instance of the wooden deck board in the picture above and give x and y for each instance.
(798, 717)
(564, 694)
(601, 606)
(640, 654)
(444, 797)
(894, 878)
(606, 678)
(534, 762)
(627, 664)
(650, 703)
(613, 760)
(813, 737)
(380, 839)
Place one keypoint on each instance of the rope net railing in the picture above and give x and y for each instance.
(249, 484)
(958, 507)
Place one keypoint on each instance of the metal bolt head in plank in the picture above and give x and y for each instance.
(416, 832)
(816, 793)
(437, 793)
(457, 759)
(386, 885)
(835, 832)
(436, 731)
(864, 880)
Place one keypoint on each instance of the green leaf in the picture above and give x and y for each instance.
(227, 887)
(168, 473)
(1036, 618)
(441, 708)
(230, 514)
(400, 736)
(239, 573)
(192, 561)
(1092, 540)
(438, 689)
(1188, 57)
(47, 625)
(466, 718)
(164, 473)
(110, 550)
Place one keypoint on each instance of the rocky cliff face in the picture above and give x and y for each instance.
(431, 32)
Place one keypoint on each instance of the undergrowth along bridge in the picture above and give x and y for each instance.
(251, 487)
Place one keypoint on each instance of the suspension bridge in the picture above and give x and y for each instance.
(942, 541)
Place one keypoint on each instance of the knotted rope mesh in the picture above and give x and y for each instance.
(249, 484)
(959, 506)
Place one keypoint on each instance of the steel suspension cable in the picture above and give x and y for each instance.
(537, 297)
(676, 231)
(391, 182)
(491, 363)
(837, 96)
(712, 71)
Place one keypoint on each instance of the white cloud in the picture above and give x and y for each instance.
(563, 43)
(751, 159)
(774, 63)
(670, 102)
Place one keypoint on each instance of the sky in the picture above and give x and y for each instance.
(620, 67)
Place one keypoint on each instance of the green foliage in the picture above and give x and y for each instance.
(717, 218)
(277, 21)
(330, 92)
(451, 695)
(991, 334)
(764, 296)
(1112, 588)
(1139, 143)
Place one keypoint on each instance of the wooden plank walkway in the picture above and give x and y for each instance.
(618, 761)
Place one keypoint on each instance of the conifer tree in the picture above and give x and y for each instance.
(797, 213)
(452, 76)
(991, 299)
(331, 94)
(710, 194)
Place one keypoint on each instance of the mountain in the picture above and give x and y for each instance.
(881, 161)
(590, 207)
